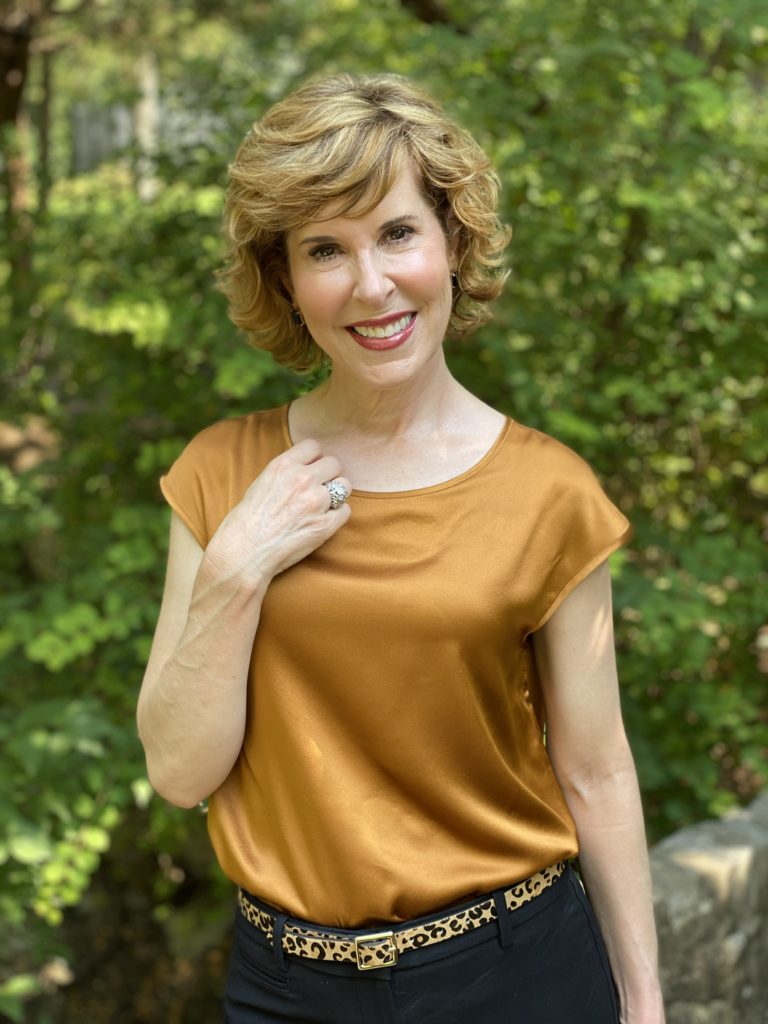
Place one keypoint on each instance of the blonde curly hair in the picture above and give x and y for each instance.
(345, 139)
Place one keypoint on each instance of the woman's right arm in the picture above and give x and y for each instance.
(192, 705)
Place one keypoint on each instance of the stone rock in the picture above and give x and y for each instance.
(711, 900)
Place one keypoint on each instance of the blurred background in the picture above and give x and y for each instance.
(632, 144)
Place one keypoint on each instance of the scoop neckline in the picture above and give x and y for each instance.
(431, 488)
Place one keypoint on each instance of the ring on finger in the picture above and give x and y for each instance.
(338, 492)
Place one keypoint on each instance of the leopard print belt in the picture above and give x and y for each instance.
(369, 950)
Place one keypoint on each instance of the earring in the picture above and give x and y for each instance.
(454, 281)
(297, 318)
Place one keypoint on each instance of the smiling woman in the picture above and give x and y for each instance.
(379, 597)
(337, 145)
(381, 278)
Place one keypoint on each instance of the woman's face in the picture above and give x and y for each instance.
(375, 290)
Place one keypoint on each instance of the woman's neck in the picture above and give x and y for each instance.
(416, 407)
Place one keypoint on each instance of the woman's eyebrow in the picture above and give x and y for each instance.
(392, 223)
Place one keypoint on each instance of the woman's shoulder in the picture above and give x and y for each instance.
(217, 465)
(264, 426)
(546, 456)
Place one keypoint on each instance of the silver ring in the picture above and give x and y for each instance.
(338, 493)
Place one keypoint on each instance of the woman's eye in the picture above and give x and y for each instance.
(400, 233)
(323, 252)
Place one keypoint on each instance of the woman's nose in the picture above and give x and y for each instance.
(373, 283)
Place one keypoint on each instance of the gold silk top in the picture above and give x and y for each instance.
(393, 759)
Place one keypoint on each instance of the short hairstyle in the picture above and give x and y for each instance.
(345, 139)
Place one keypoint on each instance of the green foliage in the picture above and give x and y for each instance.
(631, 142)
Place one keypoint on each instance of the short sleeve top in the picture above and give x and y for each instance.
(393, 759)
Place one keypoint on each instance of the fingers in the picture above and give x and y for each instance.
(325, 469)
(307, 451)
(339, 516)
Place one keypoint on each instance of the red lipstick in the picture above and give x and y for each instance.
(389, 341)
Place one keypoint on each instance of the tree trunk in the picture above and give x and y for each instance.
(44, 131)
(15, 37)
(146, 119)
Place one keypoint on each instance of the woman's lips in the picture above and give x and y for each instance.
(388, 341)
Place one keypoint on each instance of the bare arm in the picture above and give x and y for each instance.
(591, 757)
(192, 705)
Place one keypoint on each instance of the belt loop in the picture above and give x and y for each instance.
(277, 940)
(506, 930)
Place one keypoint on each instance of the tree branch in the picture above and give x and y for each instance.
(432, 12)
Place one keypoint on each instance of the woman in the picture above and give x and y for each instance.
(376, 597)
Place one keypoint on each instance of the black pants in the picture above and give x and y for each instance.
(541, 964)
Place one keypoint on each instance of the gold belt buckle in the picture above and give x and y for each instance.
(375, 950)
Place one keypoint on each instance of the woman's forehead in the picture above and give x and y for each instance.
(405, 191)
